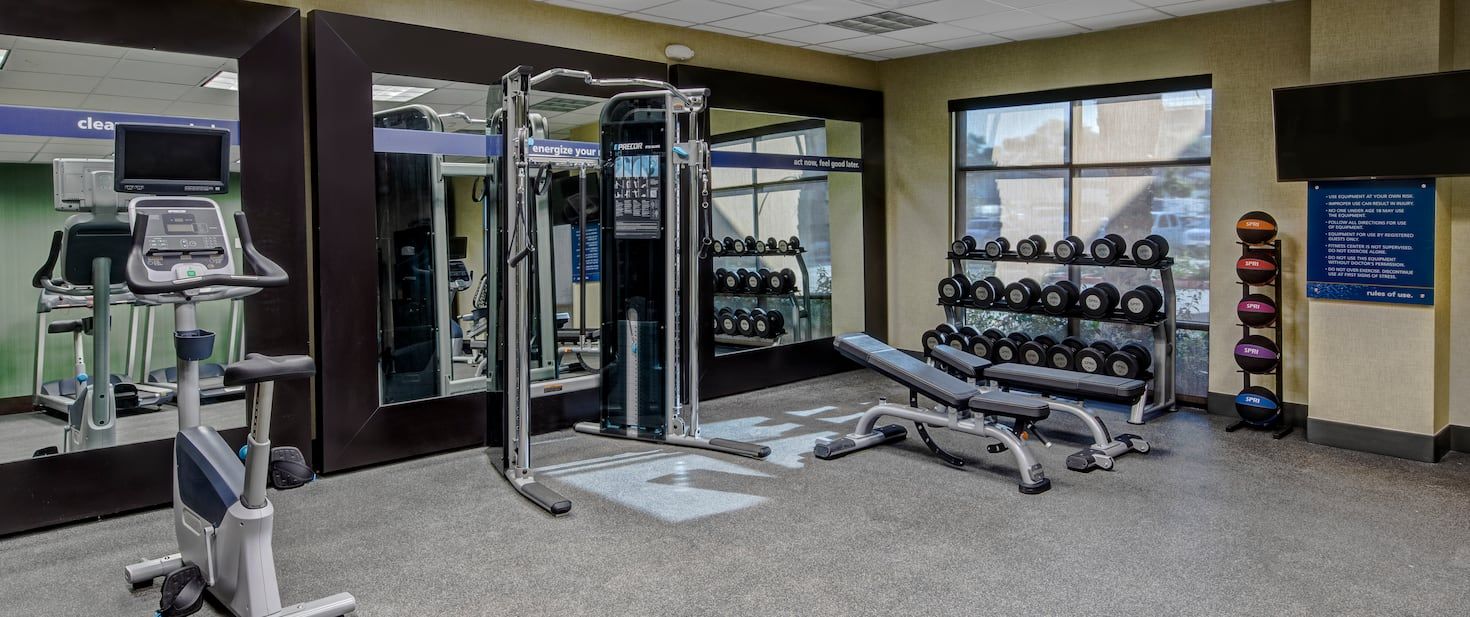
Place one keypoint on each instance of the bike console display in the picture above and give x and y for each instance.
(186, 238)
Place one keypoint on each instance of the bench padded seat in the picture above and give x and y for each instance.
(907, 370)
(1010, 405)
(967, 364)
(1068, 383)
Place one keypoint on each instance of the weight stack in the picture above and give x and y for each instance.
(1260, 405)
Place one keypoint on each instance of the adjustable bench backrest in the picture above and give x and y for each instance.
(907, 370)
(1042, 379)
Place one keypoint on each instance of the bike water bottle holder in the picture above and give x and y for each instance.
(194, 345)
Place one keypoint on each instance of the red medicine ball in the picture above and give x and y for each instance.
(1256, 269)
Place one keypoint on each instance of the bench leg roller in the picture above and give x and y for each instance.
(1135, 443)
(1089, 459)
(842, 446)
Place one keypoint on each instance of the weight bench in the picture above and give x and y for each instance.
(969, 410)
(1058, 388)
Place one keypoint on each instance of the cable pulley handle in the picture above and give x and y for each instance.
(267, 272)
(48, 269)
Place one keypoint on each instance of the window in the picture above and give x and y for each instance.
(1132, 160)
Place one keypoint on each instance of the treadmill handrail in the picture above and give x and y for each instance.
(268, 273)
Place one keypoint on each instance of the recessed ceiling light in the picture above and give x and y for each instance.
(561, 105)
(398, 94)
(4, 55)
(223, 80)
(879, 23)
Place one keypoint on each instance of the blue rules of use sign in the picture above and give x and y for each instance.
(1371, 241)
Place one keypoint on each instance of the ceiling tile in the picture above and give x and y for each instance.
(814, 35)
(608, 6)
(69, 47)
(867, 44)
(719, 30)
(1008, 20)
(1206, 6)
(407, 80)
(52, 62)
(760, 5)
(41, 98)
(93, 148)
(761, 23)
(46, 81)
(160, 72)
(869, 57)
(778, 41)
(926, 34)
(945, 11)
(153, 55)
(658, 20)
(451, 96)
(1118, 20)
(14, 157)
(15, 145)
(978, 40)
(826, 11)
(905, 52)
(1042, 32)
(128, 104)
(1081, 9)
(145, 89)
(696, 11)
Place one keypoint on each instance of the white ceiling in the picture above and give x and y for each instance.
(959, 24)
(67, 75)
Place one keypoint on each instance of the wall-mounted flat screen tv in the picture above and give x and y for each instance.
(1407, 127)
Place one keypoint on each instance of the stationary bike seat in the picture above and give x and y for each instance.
(256, 368)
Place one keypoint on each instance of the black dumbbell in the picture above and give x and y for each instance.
(783, 246)
(1063, 355)
(778, 322)
(1004, 349)
(962, 246)
(1031, 248)
(726, 319)
(760, 247)
(1022, 295)
(755, 280)
(1108, 249)
(984, 345)
(1142, 304)
(936, 337)
(1151, 250)
(772, 245)
(750, 244)
(732, 245)
(781, 282)
(997, 248)
(730, 281)
(1098, 300)
(794, 244)
(1129, 361)
(716, 248)
(1033, 352)
(986, 291)
(954, 289)
(720, 276)
(1094, 358)
(743, 325)
(1068, 250)
(1060, 298)
(760, 324)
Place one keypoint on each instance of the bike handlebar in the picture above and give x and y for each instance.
(268, 274)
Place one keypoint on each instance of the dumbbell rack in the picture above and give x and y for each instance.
(1165, 327)
(801, 310)
(1282, 426)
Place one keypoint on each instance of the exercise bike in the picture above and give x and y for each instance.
(222, 519)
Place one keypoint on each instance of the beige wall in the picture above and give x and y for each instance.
(538, 22)
(1459, 407)
(1248, 52)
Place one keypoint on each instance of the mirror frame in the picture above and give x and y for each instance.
(266, 41)
(754, 369)
(354, 429)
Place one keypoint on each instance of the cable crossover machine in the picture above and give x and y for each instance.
(655, 187)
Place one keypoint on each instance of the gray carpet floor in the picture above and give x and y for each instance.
(1209, 523)
(22, 434)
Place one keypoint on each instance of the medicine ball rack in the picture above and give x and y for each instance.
(1282, 427)
(1161, 393)
(802, 309)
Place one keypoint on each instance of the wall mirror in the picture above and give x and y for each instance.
(58, 103)
(788, 219)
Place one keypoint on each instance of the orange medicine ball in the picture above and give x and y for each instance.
(1256, 228)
